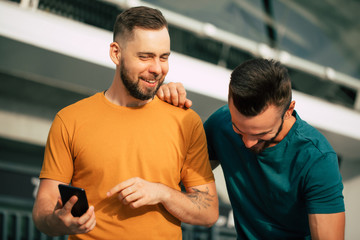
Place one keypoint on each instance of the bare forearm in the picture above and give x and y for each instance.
(327, 226)
(42, 213)
(199, 207)
(55, 219)
(44, 206)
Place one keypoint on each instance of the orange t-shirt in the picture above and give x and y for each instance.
(95, 145)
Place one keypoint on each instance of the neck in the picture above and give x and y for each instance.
(119, 95)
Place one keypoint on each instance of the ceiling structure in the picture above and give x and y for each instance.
(325, 32)
(322, 33)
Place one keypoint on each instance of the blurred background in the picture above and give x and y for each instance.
(55, 52)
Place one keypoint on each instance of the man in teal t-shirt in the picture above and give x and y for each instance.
(273, 192)
(282, 175)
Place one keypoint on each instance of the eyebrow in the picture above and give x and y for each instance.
(258, 134)
(152, 54)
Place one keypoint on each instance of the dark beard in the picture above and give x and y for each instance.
(133, 87)
(266, 143)
(258, 150)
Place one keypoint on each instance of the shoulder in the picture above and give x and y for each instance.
(310, 146)
(315, 139)
(220, 114)
(176, 112)
(86, 105)
(220, 117)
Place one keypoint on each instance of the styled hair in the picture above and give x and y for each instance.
(141, 17)
(258, 83)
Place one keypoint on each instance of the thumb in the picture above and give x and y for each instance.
(70, 203)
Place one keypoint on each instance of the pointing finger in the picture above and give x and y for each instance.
(121, 186)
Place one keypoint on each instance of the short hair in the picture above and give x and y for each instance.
(141, 17)
(258, 83)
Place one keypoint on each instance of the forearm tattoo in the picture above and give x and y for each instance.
(202, 199)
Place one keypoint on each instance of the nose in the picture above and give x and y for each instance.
(155, 67)
(249, 142)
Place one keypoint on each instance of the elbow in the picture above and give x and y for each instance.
(211, 219)
(210, 223)
(37, 222)
(35, 218)
(213, 215)
(204, 220)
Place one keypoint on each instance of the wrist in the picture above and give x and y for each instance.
(164, 193)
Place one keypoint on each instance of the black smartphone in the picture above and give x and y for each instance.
(81, 206)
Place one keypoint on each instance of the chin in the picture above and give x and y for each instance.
(256, 150)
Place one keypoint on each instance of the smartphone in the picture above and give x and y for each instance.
(81, 206)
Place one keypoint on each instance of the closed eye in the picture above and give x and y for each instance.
(259, 136)
(144, 57)
(165, 57)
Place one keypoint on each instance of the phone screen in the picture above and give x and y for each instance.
(81, 206)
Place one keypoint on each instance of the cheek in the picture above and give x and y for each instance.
(138, 70)
(134, 65)
(165, 68)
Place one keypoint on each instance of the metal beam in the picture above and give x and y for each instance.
(254, 48)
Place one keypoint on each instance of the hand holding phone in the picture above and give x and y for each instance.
(81, 206)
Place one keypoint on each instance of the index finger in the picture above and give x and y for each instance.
(160, 92)
(121, 186)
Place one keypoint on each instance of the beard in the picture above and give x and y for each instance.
(262, 144)
(134, 88)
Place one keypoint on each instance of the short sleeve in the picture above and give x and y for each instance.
(58, 162)
(323, 186)
(197, 170)
(209, 138)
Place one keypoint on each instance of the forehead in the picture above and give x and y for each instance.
(264, 122)
(145, 40)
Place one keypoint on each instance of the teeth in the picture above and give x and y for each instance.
(150, 81)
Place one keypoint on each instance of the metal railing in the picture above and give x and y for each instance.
(18, 225)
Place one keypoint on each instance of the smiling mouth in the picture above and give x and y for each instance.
(151, 81)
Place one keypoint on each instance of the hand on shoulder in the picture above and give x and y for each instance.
(175, 94)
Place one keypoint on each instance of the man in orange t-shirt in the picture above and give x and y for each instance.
(128, 150)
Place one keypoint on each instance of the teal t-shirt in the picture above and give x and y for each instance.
(273, 192)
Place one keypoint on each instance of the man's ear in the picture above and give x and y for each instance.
(115, 52)
(290, 110)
